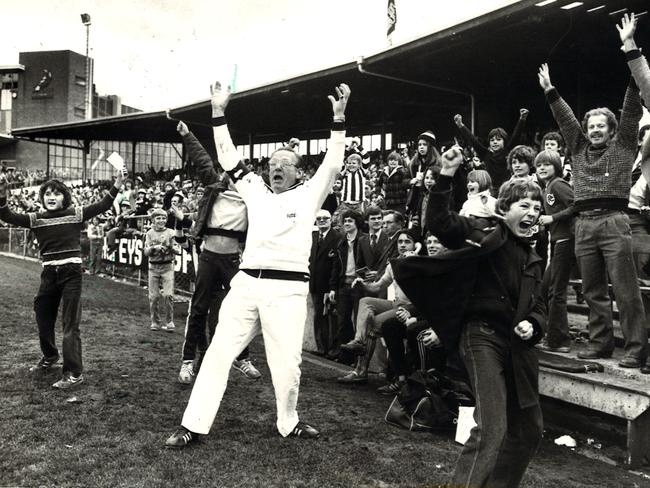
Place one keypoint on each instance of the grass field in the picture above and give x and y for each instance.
(131, 402)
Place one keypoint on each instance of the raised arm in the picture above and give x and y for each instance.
(519, 127)
(628, 126)
(105, 203)
(323, 180)
(638, 64)
(564, 116)
(469, 137)
(6, 214)
(198, 155)
(451, 228)
(229, 158)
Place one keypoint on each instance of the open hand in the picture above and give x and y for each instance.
(338, 104)
(458, 120)
(627, 28)
(219, 99)
(523, 113)
(544, 77)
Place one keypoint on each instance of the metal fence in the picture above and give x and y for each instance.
(21, 242)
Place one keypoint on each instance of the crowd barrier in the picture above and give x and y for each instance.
(127, 262)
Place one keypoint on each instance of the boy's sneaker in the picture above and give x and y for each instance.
(170, 327)
(44, 364)
(68, 382)
(247, 368)
(186, 374)
(154, 327)
(391, 389)
(181, 438)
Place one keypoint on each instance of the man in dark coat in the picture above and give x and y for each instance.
(483, 301)
(323, 249)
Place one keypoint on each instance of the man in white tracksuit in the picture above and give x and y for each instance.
(273, 279)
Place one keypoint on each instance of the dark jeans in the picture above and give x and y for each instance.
(506, 436)
(557, 277)
(604, 247)
(60, 285)
(347, 305)
(212, 283)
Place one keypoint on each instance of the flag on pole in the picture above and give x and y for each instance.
(392, 17)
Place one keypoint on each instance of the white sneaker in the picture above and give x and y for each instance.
(154, 327)
(68, 382)
(170, 327)
(186, 374)
(246, 367)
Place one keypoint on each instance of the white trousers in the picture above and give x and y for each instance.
(281, 307)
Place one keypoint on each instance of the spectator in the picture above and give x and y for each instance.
(494, 155)
(426, 156)
(480, 202)
(373, 312)
(347, 261)
(484, 301)
(323, 252)
(394, 183)
(559, 218)
(160, 247)
(95, 233)
(602, 166)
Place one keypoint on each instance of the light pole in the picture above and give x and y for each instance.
(88, 100)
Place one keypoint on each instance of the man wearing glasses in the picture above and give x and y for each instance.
(323, 246)
(269, 293)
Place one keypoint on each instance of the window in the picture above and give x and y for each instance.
(79, 80)
(80, 112)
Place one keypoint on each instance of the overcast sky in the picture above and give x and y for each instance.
(164, 53)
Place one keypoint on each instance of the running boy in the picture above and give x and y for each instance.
(57, 230)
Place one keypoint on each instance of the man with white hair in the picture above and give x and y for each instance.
(323, 246)
(269, 293)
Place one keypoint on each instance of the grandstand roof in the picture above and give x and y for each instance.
(494, 57)
(6, 140)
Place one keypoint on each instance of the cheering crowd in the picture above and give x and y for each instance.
(445, 244)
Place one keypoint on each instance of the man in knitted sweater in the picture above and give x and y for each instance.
(603, 154)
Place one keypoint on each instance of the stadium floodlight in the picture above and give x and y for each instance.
(571, 5)
(544, 3)
(594, 9)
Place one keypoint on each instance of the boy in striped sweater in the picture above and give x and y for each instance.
(57, 230)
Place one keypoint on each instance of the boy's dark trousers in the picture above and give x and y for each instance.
(507, 436)
(60, 285)
(212, 283)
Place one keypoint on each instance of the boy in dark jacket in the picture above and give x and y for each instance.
(57, 230)
(484, 301)
(494, 155)
(560, 220)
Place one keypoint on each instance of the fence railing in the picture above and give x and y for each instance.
(126, 263)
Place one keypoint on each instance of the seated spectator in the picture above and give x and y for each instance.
(373, 312)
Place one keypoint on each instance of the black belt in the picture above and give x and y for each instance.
(276, 274)
(237, 234)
